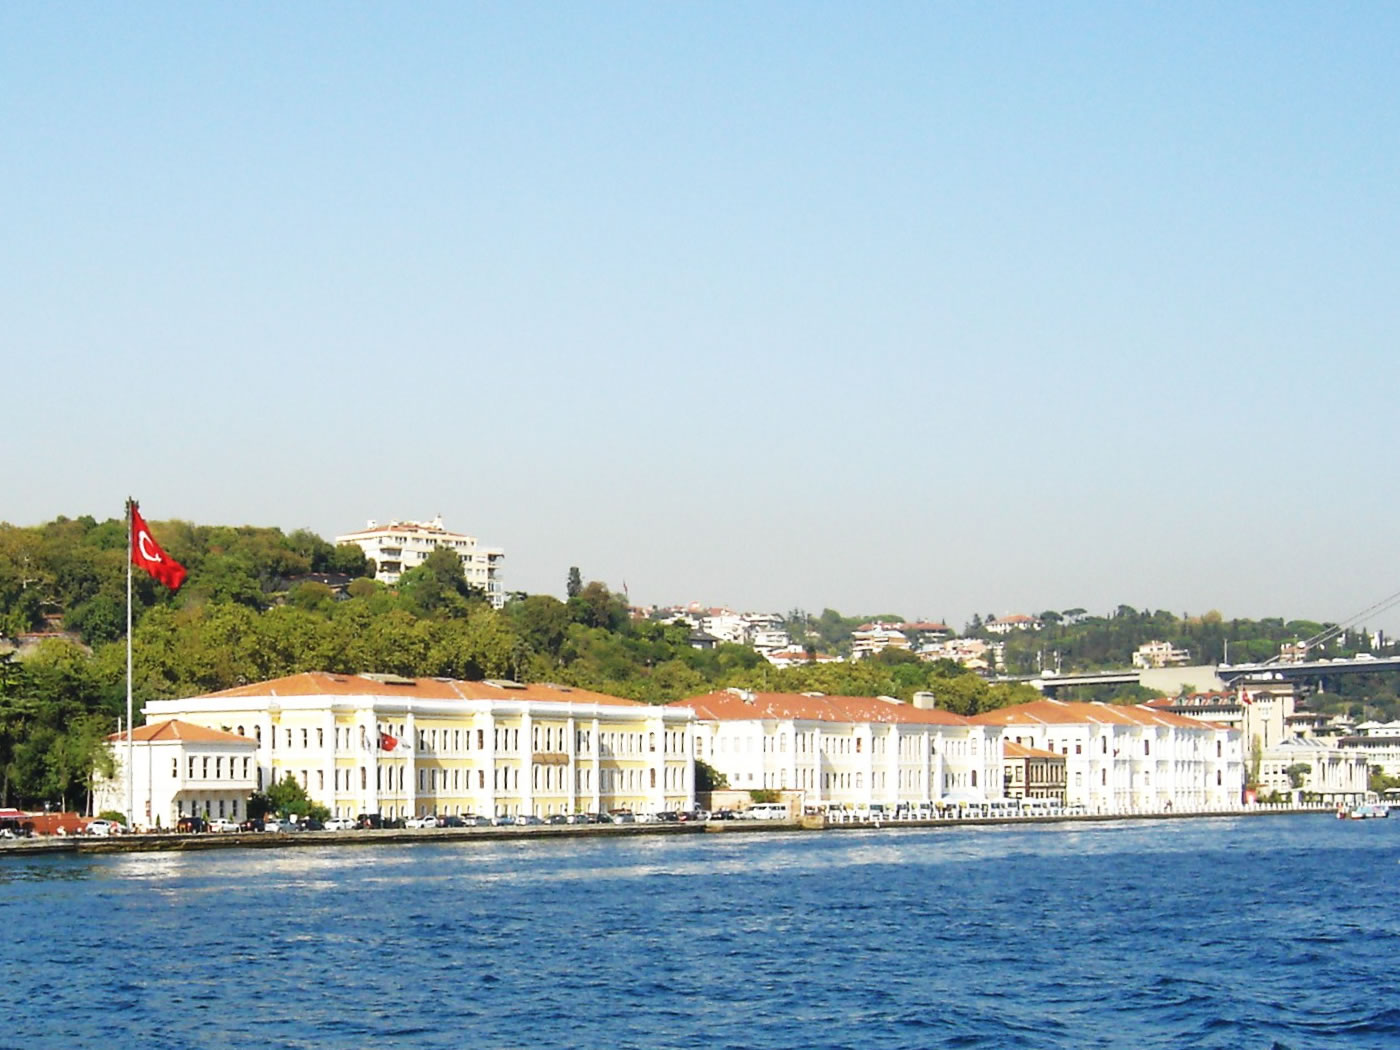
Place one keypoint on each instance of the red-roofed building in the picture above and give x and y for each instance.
(1131, 758)
(1014, 622)
(850, 752)
(180, 769)
(1030, 772)
(379, 743)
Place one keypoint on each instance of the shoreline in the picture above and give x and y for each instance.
(172, 843)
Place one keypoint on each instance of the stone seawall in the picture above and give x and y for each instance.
(294, 840)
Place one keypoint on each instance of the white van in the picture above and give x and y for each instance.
(768, 811)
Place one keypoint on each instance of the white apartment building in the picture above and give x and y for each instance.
(1160, 654)
(875, 638)
(846, 751)
(179, 769)
(403, 545)
(1121, 758)
(410, 746)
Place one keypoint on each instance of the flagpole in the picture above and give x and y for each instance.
(130, 783)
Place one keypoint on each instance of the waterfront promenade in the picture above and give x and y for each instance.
(152, 843)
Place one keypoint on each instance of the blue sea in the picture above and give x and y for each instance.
(1234, 933)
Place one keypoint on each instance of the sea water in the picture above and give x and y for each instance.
(1245, 932)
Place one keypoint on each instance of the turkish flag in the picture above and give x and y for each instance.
(387, 742)
(147, 553)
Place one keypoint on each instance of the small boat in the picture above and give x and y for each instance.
(1365, 811)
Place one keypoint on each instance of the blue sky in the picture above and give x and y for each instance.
(925, 308)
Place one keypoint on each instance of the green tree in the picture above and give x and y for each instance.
(708, 778)
(439, 587)
(288, 798)
(574, 587)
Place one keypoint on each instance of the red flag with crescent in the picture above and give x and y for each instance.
(147, 553)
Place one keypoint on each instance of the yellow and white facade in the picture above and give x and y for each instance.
(412, 746)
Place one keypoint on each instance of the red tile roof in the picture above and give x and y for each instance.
(1011, 749)
(323, 683)
(730, 706)
(174, 729)
(1060, 712)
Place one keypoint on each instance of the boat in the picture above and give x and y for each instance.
(1364, 811)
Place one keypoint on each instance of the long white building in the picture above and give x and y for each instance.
(846, 751)
(1131, 758)
(410, 746)
(403, 545)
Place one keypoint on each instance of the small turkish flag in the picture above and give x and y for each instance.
(147, 553)
(387, 742)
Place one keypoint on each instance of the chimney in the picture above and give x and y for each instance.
(925, 700)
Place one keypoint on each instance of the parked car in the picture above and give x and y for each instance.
(340, 824)
(426, 821)
(503, 820)
(274, 824)
(558, 818)
(222, 824)
(102, 828)
(452, 821)
(528, 820)
(481, 822)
